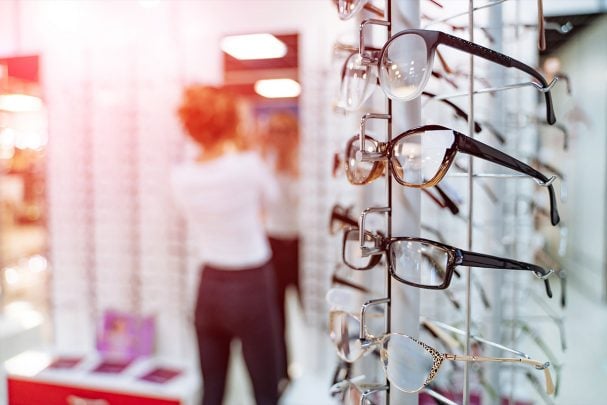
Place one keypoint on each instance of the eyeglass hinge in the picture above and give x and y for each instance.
(542, 366)
(448, 356)
(459, 257)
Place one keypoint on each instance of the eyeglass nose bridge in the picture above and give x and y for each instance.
(366, 251)
(366, 156)
(365, 59)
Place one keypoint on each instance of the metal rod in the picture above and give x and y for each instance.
(388, 277)
(470, 11)
(466, 389)
(537, 86)
(489, 175)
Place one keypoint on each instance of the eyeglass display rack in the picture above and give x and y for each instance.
(403, 317)
(105, 197)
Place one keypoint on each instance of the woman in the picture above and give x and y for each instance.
(221, 195)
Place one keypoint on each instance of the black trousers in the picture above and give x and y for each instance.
(285, 257)
(239, 304)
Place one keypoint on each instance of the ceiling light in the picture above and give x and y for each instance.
(277, 88)
(20, 103)
(254, 46)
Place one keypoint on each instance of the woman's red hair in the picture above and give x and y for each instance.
(209, 114)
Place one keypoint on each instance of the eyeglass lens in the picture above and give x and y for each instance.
(418, 157)
(407, 363)
(359, 172)
(404, 67)
(347, 8)
(357, 84)
(344, 332)
(419, 262)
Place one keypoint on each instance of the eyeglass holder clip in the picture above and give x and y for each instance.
(365, 251)
(366, 60)
(547, 88)
(546, 183)
(363, 312)
(544, 276)
(364, 155)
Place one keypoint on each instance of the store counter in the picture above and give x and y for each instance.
(35, 378)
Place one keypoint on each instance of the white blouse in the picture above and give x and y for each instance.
(282, 219)
(222, 202)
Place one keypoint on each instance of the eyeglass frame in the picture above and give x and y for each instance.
(438, 75)
(455, 257)
(461, 143)
(434, 38)
(367, 341)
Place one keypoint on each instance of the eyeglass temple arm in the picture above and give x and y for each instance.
(441, 399)
(374, 9)
(476, 148)
(504, 60)
(345, 218)
(481, 260)
(537, 364)
(458, 111)
(497, 134)
(490, 193)
(446, 202)
(440, 76)
(340, 280)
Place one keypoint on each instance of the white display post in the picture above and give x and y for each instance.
(405, 202)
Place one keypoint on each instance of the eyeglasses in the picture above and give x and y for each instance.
(421, 157)
(347, 9)
(527, 330)
(460, 113)
(409, 363)
(348, 392)
(341, 218)
(405, 62)
(359, 80)
(424, 263)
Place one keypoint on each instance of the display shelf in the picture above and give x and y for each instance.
(38, 377)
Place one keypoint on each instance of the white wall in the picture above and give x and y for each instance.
(585, 60)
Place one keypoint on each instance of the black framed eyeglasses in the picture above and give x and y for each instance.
(424, 263)
(421, 157)
(405, 63)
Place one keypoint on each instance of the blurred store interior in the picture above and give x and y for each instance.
(89, 133)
